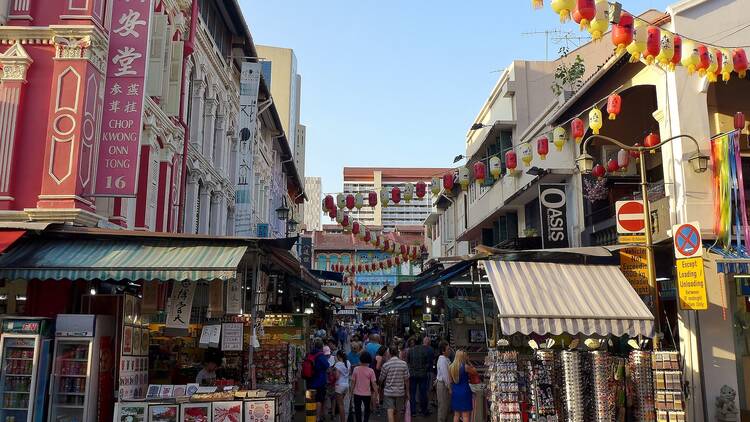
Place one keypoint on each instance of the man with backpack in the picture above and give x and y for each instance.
(314, 371)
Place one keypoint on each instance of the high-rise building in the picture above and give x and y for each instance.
(312, 210)
(369, 179)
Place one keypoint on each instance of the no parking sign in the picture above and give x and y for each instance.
(687, 240)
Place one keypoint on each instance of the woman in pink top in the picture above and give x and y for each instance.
(364, 387)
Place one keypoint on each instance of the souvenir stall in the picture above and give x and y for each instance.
(588, 357)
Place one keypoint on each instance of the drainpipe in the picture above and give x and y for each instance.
(188, 49)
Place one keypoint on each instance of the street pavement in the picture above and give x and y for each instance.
(299, 416)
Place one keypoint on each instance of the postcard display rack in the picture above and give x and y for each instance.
(670, 404)
(507, 386)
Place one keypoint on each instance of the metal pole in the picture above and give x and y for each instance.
(650, 263)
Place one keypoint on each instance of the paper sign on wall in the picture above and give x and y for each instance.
(180, 304)
(210, 335)
(231, 338)
(216, 298)
(234, 296)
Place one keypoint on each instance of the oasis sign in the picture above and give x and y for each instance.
(554, 219)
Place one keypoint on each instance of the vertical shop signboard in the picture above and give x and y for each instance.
(124, 91)
(234, 296)
(691, 277)
(216, 298)
(306, 251)
(552, 204)
(249, 82)
(180, 304)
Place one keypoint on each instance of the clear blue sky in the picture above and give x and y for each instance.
(399, 82)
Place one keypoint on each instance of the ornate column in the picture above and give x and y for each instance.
(191, 201)
(230, 218)
(196, 113)
(15, 62)
(219, 140)
(205, 209)
(217, 204)
(209, 121)
(74, 115)
(233, 158)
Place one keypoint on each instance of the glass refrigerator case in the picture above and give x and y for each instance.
(74, 386)
(25, 347)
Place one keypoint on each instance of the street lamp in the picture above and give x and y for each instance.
(698, 161)
(291, 225)
(282, 212)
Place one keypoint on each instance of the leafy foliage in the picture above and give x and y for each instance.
(568, 77)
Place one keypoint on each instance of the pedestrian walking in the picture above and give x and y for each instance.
(353, 356)
(364, 388)
(314, 368)
(461, 398)
(373, 346)
(395, 379)
(443, 382)
(342, 369)
(420, 359)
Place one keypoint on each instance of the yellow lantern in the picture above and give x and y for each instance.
(496, 167)
(359, 201)
(408, 192)
(640, 36)
(384, 198)
(690, 55)
(339, 216)
(666, 48)
(563, 8)
(537, 4)
(463, 177)
(559, 137)
(600, 23)
(595, 120)
(340, 200)
(526, 155)
(435, 185)
(727, 64)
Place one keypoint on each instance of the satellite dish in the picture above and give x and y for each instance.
(245, 134)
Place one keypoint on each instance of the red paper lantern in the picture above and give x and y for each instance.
(381, 265)
(421, 189)
(480, 170)
(389, 263)
(622, 32)
(511, 161)
(635, 154)
(404, 250)
(397, 260)
(598, 171)
(577, 130)
(332, 214)
(739, 58)
(542, 147)
(719, 59)
(386, 244)
(651, 140)
(396, 194)
(739, 120)
(359, 268)
(378, 240)
(345, 221)
(704, 60)
(614, 103)
(448, 181)
(330, 202)
(584, 11)
(677, 58)
(355, 228)
(372, 199)
(367, 236)
(653, 44)
(350, 201)
(612, 165)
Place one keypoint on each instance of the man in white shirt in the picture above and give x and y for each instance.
(443, 382)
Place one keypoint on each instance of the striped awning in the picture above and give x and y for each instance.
(549, 298)
(121, 259)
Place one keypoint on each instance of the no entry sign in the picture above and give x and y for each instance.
(630, 217)
(687, 240)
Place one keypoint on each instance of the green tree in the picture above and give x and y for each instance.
(568, 77)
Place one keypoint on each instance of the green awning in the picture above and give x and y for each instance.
(121, 259)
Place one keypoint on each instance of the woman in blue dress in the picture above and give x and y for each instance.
(461, 398)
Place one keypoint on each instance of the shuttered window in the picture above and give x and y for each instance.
(175, 78)
(159, 37)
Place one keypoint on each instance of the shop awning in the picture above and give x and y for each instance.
(454, 270)
(550, 298)
(8, 237)
(121, 259)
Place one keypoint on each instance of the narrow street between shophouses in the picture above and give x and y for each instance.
(374, 211)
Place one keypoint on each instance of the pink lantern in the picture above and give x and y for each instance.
(623, 159)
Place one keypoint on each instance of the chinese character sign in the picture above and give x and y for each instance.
(180, 304)
(127, 61)
(249, 81)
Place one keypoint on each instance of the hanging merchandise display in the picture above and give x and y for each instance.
(668, 394)
(573, 386)
(435, 186)
(640, 382)
(542, 147)
(604, 370)
(729, 190)
(480, 172)
(507, 388)
(614, 104)
(543, 381)
(563, 8)
(595, 120)
(463, 177)
(622, 32)
(359, 201)
(600, 23)
(421, 189)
